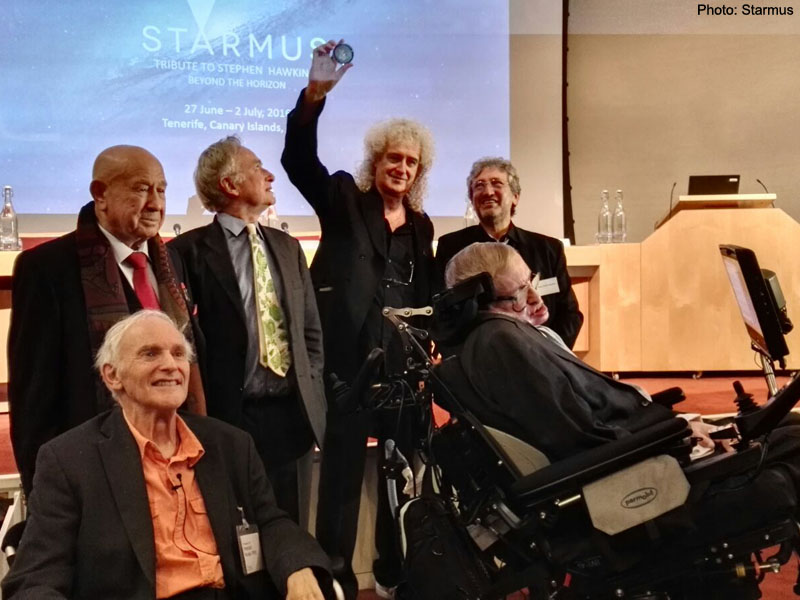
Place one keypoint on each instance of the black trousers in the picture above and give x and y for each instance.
(284, 440)
(752, 498)
(341, 475)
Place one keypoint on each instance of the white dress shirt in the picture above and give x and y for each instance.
(121, 253)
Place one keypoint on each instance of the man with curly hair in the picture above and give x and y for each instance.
(494, 190)
(375, 251)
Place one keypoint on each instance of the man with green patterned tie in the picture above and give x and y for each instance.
(257, 311)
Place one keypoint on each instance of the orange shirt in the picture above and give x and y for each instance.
(186, 551)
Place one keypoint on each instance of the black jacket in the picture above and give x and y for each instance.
(89, 533)
(201, 257)
(530, 387)
(351, 258)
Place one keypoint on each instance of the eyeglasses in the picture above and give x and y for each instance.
(533, 282)
(480, 185)
(400, 282)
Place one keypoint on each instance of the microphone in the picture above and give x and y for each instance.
(671, 192)
(285, 227)
(180, 483)
(762, 185)
(177, 229)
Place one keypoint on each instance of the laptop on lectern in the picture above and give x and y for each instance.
(713, 185)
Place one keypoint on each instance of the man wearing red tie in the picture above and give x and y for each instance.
(68, 292)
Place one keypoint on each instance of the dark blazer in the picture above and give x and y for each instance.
(543, 254)
(52, 384)
(89, 533)
(534, 389)
(201, 257)
(351, 258)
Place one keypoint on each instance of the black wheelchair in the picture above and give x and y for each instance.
(539, 522)
(620, 521)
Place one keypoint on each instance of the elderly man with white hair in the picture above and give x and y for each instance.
(528, 384)
(536, 388)
(141, 502)
(256, 309)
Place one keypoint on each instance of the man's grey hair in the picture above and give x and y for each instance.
(481, 257)
(496, 162)
(377, 141)
(215, 163)
(108, 354)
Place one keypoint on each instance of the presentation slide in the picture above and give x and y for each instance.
(174, 76)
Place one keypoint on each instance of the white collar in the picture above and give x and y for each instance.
(121, 250)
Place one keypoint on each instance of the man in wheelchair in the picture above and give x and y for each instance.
(563, 530)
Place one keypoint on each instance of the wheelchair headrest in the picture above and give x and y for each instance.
(455, 309)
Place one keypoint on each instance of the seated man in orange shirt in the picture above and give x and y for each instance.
(142, 503)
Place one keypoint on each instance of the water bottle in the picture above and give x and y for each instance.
(604, 230)
(269, 218)
(272, 218)
(470, 218)
(9, 227)
(620, 232)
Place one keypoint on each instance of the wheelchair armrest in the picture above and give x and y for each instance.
(722, 466)
(761, 421)
(669, 397)
(564, 477)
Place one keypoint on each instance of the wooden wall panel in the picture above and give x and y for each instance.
(614, 319)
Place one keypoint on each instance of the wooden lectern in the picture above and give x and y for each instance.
(719, 201)
(666, 304)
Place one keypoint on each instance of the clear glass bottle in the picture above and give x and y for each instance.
(9, 226)
(272, 218)
(269, 218)
(620, 231)
(604, 230)
(470, 218)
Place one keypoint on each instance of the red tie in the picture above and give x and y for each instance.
(141, 283)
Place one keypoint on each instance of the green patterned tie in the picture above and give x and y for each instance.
(273, 340)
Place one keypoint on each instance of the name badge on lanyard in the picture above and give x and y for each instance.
(249, 546)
